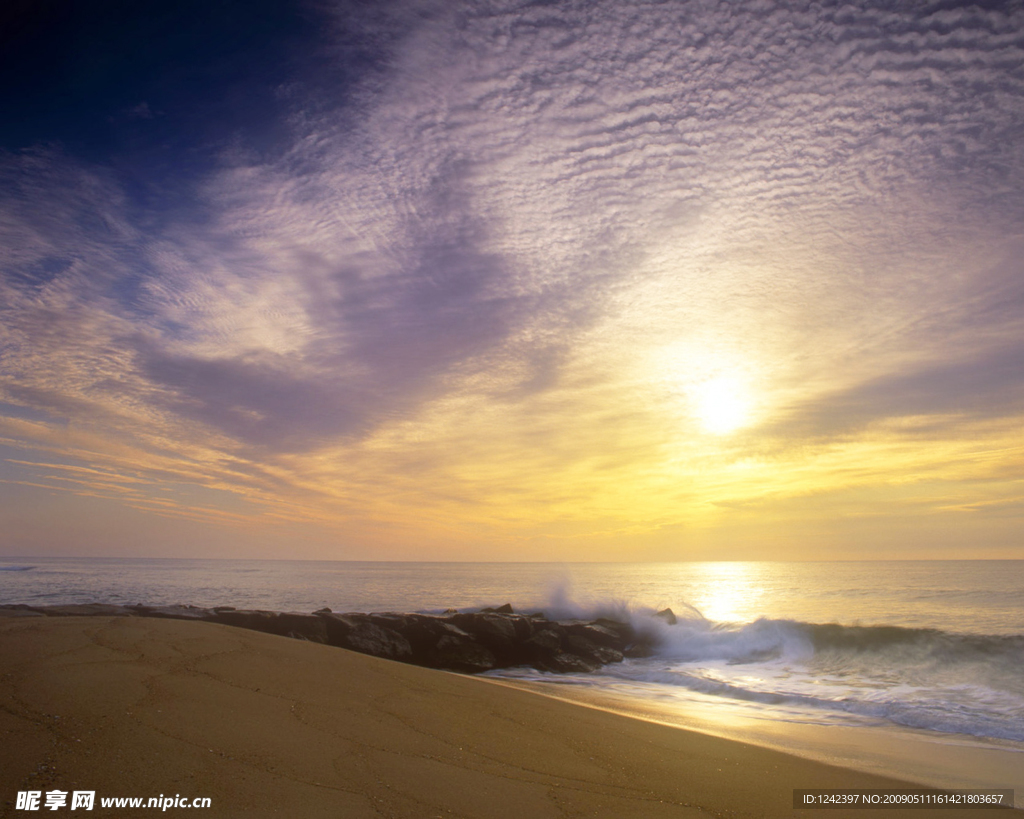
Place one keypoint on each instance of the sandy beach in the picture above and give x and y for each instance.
(271, 726)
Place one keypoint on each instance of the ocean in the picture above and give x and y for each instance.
(913, 668)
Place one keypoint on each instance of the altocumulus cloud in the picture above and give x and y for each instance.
(518, 207)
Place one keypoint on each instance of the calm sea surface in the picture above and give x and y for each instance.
(979, 597)
(926, 651)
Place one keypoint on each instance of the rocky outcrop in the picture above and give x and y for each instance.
(358, 633)
(470, 642)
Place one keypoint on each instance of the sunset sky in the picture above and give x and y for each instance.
(494, 280)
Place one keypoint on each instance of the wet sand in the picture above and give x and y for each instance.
(949, 762)
(270, 726)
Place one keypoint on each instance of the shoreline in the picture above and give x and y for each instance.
(949, 762)
(130, 706)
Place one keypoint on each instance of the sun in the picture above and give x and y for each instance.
(722, 405)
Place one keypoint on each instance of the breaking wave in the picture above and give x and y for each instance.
(916, 677)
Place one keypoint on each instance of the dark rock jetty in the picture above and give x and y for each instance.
(470, 642)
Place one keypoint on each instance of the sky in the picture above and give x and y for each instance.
(505, 280)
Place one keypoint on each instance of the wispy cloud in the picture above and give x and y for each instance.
(484, 281)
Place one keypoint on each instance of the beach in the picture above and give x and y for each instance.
(269, 726)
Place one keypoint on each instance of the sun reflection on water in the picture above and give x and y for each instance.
(727, 592)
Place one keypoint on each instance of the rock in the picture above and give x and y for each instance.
(668, 616)
(606, 656)
(543, 647)
(389, 619)
(287, 624)
(639, 650)
(565, 663)
(301, 626)
(548, 641)
(357, 633)
(496, 633)
(486, 626)
(506, 609)
(590, 651)
(625, 631)
(425, 632)
(380, 642)
(598, 634)
(436, 642)
(462, 655)
(579, 645)
(324, 610)
(339, 625)
(524, 626)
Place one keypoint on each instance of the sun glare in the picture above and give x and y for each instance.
(727, 592)
(721, 405)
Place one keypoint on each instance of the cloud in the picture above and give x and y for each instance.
(509, 211)
(959, 363)
(937, 399)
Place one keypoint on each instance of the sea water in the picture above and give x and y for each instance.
(915, 668)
